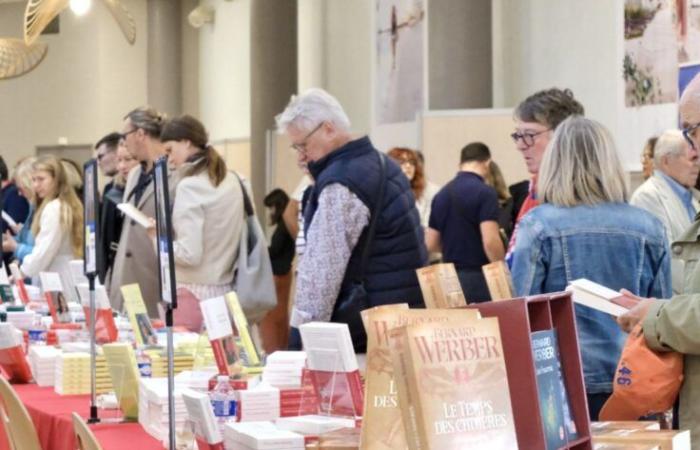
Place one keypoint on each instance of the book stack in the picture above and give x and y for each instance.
(72, 375)
(663, 439)
(42, 360)
(22, 320)
(314, 424)
(200, 412)
(333, 368)
(261, 436)
(299, 401)
(452, 384)
(343, 439)
(153, 407)
(103, 380)
(260, 403)
(283, 369)
(159, 363)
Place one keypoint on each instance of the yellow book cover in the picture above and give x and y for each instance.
(125, 377)
(249, 353)
(364, 314)
(665, 439)
(138, 315)
(440, 286)
(498, 280)
(455, 377)
(382, 427)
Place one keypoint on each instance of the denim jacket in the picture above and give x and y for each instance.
(613, 244)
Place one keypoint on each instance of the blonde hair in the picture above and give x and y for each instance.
(71, 208)
(494, 178)
(581, 166)
(22, 174)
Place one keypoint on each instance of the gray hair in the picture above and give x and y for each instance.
(670, 143)
(22, 175)
(581, 166)
(148, 119)
(310, 109)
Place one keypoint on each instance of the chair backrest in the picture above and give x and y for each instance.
(86, 440)
(18, 424)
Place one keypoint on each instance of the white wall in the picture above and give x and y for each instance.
(577, 45)
(89, 79)
(224, 71)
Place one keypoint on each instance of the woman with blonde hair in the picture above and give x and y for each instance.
(57, 225)
(584, 228)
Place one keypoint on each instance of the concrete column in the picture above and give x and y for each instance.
(164, 56)
(273, 77)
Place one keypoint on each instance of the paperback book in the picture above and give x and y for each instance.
(220, 331)
(19, 282)
(250, 357)
(105, 328)
(452, 384)
(440, 286)
(138, 315)
(593, 295)
(55, 298)
(498, 280)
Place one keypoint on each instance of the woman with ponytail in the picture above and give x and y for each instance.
(57, 224)
(207, 212)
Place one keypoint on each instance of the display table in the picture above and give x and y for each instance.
(51, 414)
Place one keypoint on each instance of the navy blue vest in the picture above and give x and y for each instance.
(398, 248)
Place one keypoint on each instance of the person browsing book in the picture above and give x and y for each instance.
(584, 228)
(57, 224)
(207, 215)
(23, 242)
(136, 261)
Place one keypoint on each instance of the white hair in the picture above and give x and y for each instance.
(308, 110)
(670, 143)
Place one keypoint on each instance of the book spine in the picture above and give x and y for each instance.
(406, 399)
(220, 356)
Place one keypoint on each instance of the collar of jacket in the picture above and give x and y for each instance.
(350, 150)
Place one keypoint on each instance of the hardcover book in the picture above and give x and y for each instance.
(498, 280)
(452, 384)
(138, 315)
(593, 295)
(55, 298)
(241, 329)
(382, 427)
(220, 331)
(440, 286)
(105, 328)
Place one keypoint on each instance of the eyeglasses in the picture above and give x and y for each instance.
(301, 146)
(687, 134)
(122, 136)
(527, 137)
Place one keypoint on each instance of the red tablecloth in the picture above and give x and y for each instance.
(51, 414)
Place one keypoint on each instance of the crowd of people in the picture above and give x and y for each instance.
(362, 221)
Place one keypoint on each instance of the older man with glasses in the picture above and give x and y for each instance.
(675, 325)
(345, 267)
(536, 117)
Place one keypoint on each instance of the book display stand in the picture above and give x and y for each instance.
(518, 319)
(336, 393)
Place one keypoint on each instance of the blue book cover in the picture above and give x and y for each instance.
(569, 424)
(549, 390)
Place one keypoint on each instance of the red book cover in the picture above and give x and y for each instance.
(14, 365)
(225, 354)
(202, 444)
(105, 328)
(22, 290)
(339, 393)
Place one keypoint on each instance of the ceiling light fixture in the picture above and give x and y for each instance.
(80, 7)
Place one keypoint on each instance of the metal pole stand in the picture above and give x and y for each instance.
(93, 352)
(171, 375)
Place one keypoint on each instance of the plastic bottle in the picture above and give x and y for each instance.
(143, 361)
(223, 401)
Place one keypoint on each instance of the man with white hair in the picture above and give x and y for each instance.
(354, 183)
(669, 193)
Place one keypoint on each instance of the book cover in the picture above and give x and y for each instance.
(124, 373)
(53, 293)
(455, 383)
(220, 331)
(105, 328)
(498, 280)
(19, 282)
(383, 427)
(665, 439)
(13, 362)
(440, 286)
(333, 368)
(549, 388)
(599, 297)
(138, 315)
(201, 413)
(249, 353)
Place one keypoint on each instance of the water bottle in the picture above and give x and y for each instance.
(223, 401)
(143, 362)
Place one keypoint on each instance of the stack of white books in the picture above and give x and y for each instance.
(42, 360)
(153, 407)
(72, 376)
(259, 403)
(283, 369)
(314, 424)
(22, 320)
(200, 412)
(261, 436)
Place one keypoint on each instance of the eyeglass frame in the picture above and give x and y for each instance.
(301, 146)
(521, 136)
(122, 136)
(686, 134)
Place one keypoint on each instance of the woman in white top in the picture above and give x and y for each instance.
(57, 224)
(207, 212)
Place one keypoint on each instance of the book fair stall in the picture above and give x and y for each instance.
(505, 374)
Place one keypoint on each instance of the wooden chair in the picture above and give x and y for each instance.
(86, 439)
(18, 424)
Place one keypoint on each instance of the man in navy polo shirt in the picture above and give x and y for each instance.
(464, 222)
